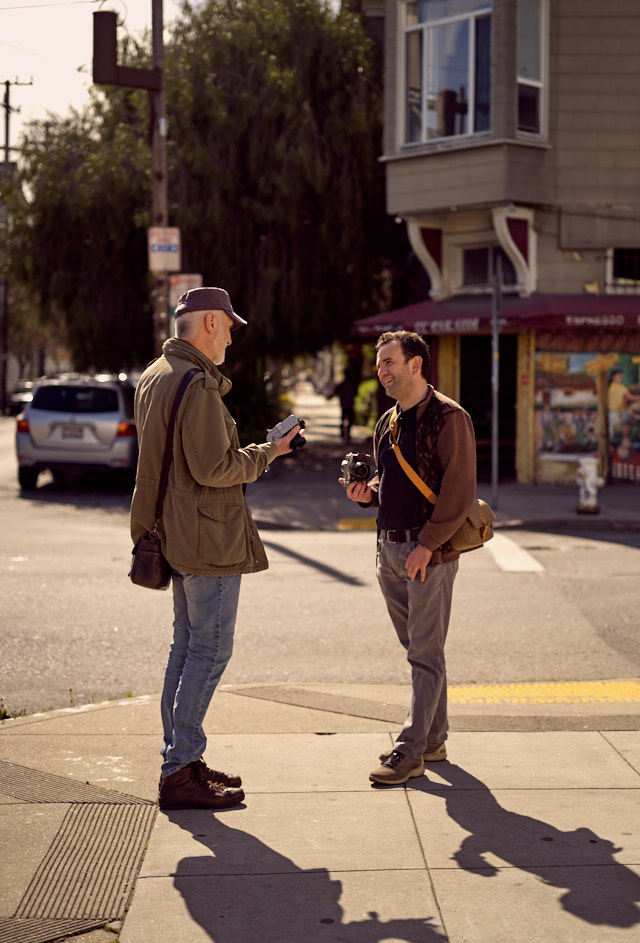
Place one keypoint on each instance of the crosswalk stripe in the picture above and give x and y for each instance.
(511, 557)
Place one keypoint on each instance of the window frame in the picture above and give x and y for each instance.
(455, 245)
(421, 30)
(540, 84)
(614, 286)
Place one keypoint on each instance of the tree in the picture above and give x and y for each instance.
(274, 134)
(274, 175)
(79, 237)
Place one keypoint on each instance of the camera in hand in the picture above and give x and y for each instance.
(355, 466)
(286, 426)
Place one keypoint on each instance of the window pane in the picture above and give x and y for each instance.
(447, 79)
(626, 264)
(413, 116)
(529, 39)
(482, 109)
(475, 267)
(529, 108)
(431, 10)
(70, 399)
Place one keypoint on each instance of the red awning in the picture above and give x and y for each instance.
(472, 315)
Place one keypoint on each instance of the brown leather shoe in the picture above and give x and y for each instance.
(183, 790)
(205, 774)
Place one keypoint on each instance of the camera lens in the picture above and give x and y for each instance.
(360, 470)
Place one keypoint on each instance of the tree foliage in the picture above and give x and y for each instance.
(274, 135)
(275, 182)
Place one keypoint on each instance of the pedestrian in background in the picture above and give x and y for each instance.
(346, 392)
(207, 533)
(416, 567)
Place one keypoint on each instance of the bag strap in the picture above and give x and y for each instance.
(168, 446)
(410, 472)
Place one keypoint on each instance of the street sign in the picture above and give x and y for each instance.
(180, 283)
(164, 249)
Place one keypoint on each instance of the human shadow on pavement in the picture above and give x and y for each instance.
(599, 890)
(240, 890)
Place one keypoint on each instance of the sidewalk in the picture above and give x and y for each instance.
(530, 833)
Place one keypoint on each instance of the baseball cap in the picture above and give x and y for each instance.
(208, 299)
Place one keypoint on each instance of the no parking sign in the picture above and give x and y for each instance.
(164, 249)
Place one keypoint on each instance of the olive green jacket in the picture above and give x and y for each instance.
(206, 527)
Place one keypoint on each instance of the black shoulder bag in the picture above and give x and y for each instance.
(148, 565)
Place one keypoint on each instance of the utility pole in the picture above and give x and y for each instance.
(106, 71)
(496, 309)
(7, 169)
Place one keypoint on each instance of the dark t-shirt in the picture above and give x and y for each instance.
(399, 499)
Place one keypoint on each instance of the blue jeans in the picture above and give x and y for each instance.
(204, 609)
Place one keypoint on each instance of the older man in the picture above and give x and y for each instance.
(207, 533)
(416, 566)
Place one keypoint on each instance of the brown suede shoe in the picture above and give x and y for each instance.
(205, 774)
(434, 753)
(183, 790)
(397, 768)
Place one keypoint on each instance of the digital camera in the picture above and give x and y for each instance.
(286, 426)
(355, 466)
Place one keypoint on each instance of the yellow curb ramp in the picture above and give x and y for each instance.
(357, 523)
(547, 692)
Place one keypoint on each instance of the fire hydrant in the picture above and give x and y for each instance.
(588, 480)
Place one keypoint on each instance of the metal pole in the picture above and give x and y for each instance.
(159, 177)
(495, 378)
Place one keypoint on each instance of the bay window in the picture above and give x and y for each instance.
(448, 69)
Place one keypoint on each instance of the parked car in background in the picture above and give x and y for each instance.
(22, 395)
(74, 425)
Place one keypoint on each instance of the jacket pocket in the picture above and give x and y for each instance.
(221, 535)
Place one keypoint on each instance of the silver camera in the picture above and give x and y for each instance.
(355, 466)
(286, 426)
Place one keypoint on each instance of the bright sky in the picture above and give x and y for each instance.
(51, 42)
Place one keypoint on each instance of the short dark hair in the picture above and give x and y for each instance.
(412, 346)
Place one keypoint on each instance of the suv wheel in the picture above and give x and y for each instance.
(28, 478)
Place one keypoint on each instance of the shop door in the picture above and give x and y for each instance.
(476, 398)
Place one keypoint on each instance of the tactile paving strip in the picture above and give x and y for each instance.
(90, 867)
(556, 692)
(31, 785)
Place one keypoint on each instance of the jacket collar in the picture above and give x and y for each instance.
(183, 350)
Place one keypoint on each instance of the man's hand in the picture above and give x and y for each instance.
(358, 491)
(284, 441)
(417, 562)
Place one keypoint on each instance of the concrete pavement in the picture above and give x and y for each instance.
(528, 832)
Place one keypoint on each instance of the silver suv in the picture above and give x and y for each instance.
(77, 425)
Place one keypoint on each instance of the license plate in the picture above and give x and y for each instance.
(72, 432)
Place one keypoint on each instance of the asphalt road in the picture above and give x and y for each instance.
(75, 630)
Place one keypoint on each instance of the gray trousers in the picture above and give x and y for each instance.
(420, 614)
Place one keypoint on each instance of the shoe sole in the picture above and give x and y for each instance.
(383, 781)
(176, 806)
(182, 806)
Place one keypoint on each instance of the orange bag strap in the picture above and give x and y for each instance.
(410, 472)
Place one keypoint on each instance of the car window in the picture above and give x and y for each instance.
(76, 399)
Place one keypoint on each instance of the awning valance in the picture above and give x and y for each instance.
(472, 315)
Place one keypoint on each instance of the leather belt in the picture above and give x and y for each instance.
(401, 536)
